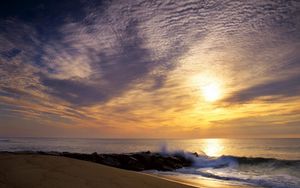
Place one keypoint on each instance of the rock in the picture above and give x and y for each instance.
(136, 161)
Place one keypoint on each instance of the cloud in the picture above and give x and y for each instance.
(276, 88)
(117, 71)
(9, 54)
(107, 52)
(89, 60)
(75, 92)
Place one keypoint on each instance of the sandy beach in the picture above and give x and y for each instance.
(33, 170)
(52, 171)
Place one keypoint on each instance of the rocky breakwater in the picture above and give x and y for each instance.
(136, 161)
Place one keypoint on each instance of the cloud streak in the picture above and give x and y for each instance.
(119, 63)
(277, 88)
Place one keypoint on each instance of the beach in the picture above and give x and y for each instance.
(237, 163)
(53, 171)
(34, 170)
(42, 162)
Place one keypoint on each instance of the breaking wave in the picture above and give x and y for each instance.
(265, 172)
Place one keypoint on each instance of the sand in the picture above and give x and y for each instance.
(52, 171)
(27, 170)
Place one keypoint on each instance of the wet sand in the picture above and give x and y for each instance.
(206, 182)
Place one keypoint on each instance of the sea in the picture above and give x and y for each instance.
(231, 161)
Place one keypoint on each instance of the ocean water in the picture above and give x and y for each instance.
(219, 159)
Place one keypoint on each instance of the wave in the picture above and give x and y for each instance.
(261, 160)
(264, 180)
(4, 140)
(236, 161)
(202, 160)
(265, 172)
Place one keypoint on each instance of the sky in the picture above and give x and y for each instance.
(150, 69)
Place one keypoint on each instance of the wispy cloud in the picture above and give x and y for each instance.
(277, 88)
(115, 63)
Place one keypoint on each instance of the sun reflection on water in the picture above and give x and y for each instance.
(213, 147)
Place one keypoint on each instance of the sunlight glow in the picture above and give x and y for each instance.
(211, 92)
(213, 147)
(209, 86)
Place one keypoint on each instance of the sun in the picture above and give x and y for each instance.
(213, 147)
(209, 87)
(211, 92)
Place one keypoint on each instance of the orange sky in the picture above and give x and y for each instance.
(151, 72)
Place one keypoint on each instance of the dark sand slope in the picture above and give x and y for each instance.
(52, 171)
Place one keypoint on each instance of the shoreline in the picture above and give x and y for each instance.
(42, 170)
(206, 182)
(34, 170)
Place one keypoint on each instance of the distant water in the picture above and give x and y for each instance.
(218, 158)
